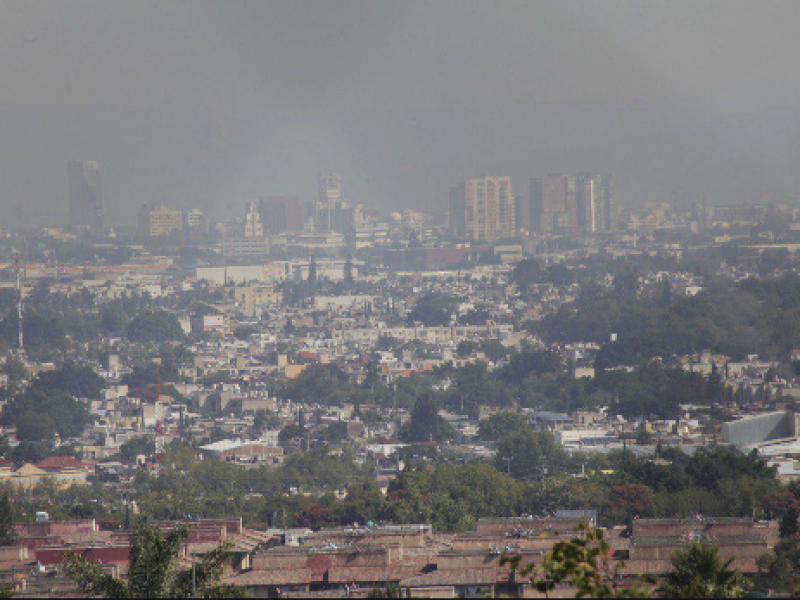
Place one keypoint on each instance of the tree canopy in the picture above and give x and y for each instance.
(154, 326)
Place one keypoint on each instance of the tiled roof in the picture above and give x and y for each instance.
(54, 463)
(457, 577)
(370, 574)
(274, 577)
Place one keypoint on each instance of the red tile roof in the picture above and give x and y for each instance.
(56, 463)
(274, 577)
(476, 576)
(371, 574)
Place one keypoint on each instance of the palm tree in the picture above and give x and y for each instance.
(153, 571)
(699, 572)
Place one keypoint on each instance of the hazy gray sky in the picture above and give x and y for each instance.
(212, 104)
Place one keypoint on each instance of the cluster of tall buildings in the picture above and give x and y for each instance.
(579, 203)
(484, 209)
(327, 216)
(487, 209)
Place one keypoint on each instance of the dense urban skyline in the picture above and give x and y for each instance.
(431, 298)
(193, 104)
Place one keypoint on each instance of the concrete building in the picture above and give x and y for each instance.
(251, 226)
(63, 471)
(554, 203)
(456, 211)
(566, 203)
(751, 432)
(484, 209)
(329, 201)
(158, 220)
(280, 214)
(588, 196)
(243, 247)
(244, 452)
(194, 220)
(85, 194)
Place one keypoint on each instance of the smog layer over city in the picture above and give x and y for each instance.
(374, 299)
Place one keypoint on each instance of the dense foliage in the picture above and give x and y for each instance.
(753, 317)
(154, 326)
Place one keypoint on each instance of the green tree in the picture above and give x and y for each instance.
(68, 415)
(493, 349)
(154, 326)
(364, 503)
(527, 362)
(466, 347)
(29, 452)
(265, 420)
(144, 444)
(714, 386)
(426, 425)
(788, 524)
(7, 534)
(699, 572)
(666, 294)
(348, 273)
(433, 310)
(584, 563)
(15, 370)
(153, 571)
(526, 273)
(35, 427)
(113, 319)
(531, 454)
(501, 424)
(76, 380)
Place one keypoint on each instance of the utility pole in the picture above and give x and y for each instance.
(194, 577)
(21, 339)
(160, 434)
(508, 460)
(545, 473)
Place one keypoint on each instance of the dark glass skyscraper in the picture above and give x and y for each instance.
(85, 194)
(280, 214)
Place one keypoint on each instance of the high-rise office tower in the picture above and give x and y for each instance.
(484, 208)
(522, 213)
(605, 202)
(280, 214)
(252, 227)
(564, 203)
(588, 194)
(457, 212)
(552, 199)
(329, 198)
(85, 194)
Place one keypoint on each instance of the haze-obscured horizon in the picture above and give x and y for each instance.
(212, 104)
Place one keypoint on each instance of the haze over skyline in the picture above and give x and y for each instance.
(212, 104)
